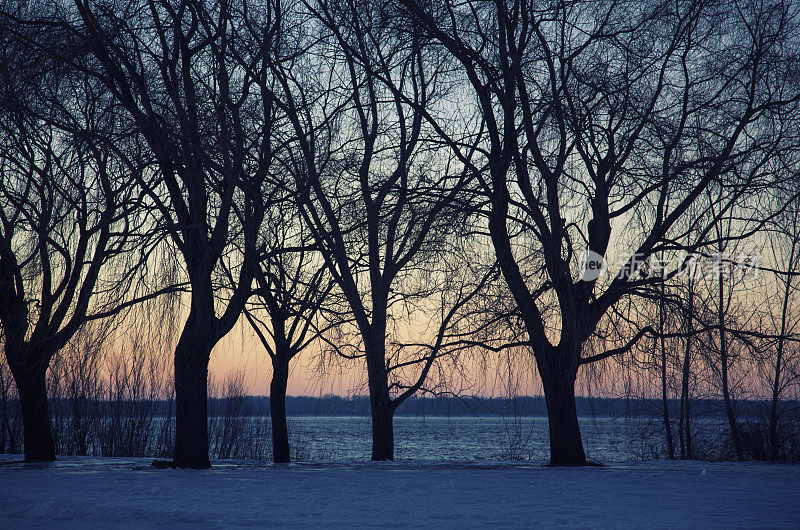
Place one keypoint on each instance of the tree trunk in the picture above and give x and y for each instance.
(686, 417)
(664, 396)
(37, 432)
(685, 412)
(381, 406)
(277, 409)
(774, 450)
(566, 446)
(382, 428)
(665, 405)
(726, 393)
(4, 428)
(191, 398)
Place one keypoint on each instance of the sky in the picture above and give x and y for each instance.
(241, 353)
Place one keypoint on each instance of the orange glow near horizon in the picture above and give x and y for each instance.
(241, 352)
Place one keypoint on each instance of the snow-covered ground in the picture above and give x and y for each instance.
(94, 492)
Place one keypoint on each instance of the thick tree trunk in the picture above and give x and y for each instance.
(37, 432)
(382, 428)
(191, 398)
(566, 446)
(5, 427)
(277, 409)
(381, 405)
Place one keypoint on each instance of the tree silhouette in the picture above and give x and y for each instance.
(603, 123)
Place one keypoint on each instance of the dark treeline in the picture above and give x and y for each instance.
(522, 406)
(590, 196)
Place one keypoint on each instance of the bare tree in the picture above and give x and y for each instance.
(73, 234)
(785, 248)
(187, 75)
(603, 124)
(724, 298)
(286, 314)
(685, 420)
(375, 194)
(664, 370)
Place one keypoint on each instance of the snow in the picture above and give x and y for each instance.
(81, 491)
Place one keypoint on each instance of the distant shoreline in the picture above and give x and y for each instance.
(527, 406)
